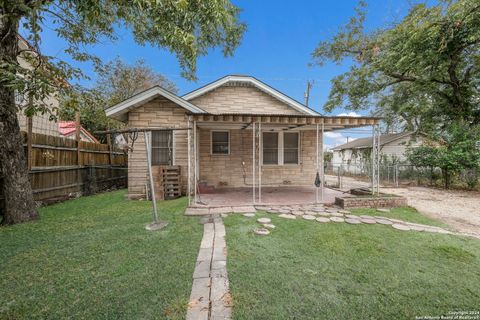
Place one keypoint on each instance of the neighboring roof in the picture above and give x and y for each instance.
(367, 142)
(256, 83)
(120, 110)
(67, 128)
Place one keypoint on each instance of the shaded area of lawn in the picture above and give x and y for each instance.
(308, 270)
(92, 258)
(408, 214)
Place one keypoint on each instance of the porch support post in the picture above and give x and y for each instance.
(375, 159)
(195, 161)
(322, 164)
(316, 157)
(253, 161)
(189, 147)
(148, 147)
(260, 161)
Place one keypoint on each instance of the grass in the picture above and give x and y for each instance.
(308, 270)
(91, 258)
(406, 213)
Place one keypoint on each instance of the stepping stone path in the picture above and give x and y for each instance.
(384, 222)
(269, 226)
(262, 231)
(264, 220)
(249, 215)
(368, 221)
(210, 296)
(337, 219)
(308, 217)
(400, 227)
(322, 219)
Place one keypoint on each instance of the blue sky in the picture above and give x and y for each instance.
(276, 48)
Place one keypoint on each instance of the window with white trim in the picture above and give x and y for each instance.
(220, 142)
(162, 147)
(290, 147)
(280, 148)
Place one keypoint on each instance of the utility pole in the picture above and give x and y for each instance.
(307, 92)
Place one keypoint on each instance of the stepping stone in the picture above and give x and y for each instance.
(352, 221)
(269, 226)
(324, 214)
(322, 219)
(318, 209)
(298, 213)
(337, 219)
(249, 215)
(308, 217)
(262, 208)
(196, 211)
(352, 216)
(383, 221)
(383, 210)
(245, 209)
(396, 220)
(264, 220)
(287, 216)
(272, 211)
(284, 211)
(261, 232)
(416, 228)
(368, 221)
(367, 217)
(400, 227)
(312, 213)
(344, 211)
(336, 214)
(220, 210)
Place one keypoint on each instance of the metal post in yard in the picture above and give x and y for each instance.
(189, 157)
(260, 160)
(316, 157)
(148, 143)
(322, 161)
(253, 161)
(195, 161)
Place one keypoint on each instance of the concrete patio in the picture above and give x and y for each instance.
(270, 196)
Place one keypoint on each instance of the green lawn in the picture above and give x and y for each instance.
(91, 258)
(308, 270)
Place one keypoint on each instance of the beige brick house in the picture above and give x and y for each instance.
(234, 133)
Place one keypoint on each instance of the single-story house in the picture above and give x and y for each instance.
(236, 133)
(354, 156)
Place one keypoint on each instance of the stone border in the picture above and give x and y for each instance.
(382, 201)
(210, 297)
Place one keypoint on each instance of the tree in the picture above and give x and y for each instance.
(116, 81)
(186, 28)
(423, 71)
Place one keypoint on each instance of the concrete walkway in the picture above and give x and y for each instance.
(210, 297)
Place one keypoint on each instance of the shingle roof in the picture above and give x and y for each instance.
(367, 142)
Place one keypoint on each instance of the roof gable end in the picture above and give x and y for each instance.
(256, 83)
(120, 110)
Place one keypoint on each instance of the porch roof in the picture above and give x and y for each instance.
(285, 121)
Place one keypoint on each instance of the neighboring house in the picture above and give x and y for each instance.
(218, 121)
(68, 130)
(40, 122)
(354, 156)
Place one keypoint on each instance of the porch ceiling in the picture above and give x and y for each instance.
(280, 121)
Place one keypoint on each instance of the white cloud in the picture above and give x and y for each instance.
(349, 114)
(333, 139)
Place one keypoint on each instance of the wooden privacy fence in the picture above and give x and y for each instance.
(60, 168)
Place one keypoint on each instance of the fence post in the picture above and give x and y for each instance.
(110, 155)
(77, 137)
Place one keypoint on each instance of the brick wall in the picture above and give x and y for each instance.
(228, 170)
(241, 99)
(371, 202)
(156, 113)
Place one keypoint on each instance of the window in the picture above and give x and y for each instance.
(220, 142)
(290, 148)
(270, 148)
(162, 150)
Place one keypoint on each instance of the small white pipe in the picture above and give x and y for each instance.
(322, 164)
(148, 137)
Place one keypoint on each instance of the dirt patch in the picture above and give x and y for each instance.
(459, 209)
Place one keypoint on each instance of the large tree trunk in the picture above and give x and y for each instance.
(17, 191)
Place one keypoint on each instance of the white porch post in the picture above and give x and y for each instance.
(148, 146)
(260, 160)
(195, 160)
(189, 146)
(323, 165)
(316, 157)
(253, 161)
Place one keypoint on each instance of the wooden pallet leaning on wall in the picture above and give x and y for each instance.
(171, 181)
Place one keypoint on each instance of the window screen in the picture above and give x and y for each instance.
(290, 148)
(220, 142)
(162, 150)
(270, 148)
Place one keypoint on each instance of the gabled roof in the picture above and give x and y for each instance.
(256, 83)
(67, 128)
(362, 143)
(120, 110)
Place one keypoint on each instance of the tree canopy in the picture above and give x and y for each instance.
(423, 71)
